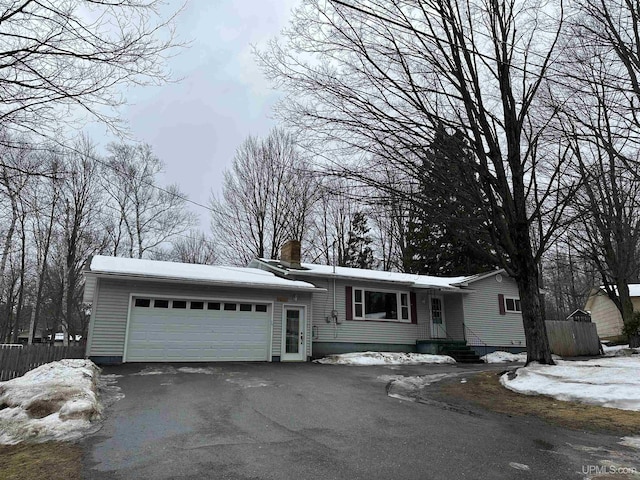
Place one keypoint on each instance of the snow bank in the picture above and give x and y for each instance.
(608, 382)
(56, 401)
(383, 358)
(508, 357)
(619, 351)
(504, 357)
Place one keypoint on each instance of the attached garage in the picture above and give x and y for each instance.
(151, 311)
(177, 330)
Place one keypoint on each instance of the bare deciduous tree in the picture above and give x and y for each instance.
(601, 125)
(62, 61)
(267, 199)
(194, 247)
(378, 81)
(144, 216)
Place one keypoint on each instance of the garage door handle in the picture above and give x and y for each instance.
(301, 337)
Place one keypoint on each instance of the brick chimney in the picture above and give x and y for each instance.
(290, 254)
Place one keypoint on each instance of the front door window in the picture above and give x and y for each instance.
(293, 332)
(438, 330)
(293, 347)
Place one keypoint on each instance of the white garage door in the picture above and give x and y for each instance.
(180, 330)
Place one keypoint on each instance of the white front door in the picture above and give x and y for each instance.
(438, 327)
(293, 338)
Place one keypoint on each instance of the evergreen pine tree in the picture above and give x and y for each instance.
(445, 235)
(359, 253)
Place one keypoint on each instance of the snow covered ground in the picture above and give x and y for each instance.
(619, 350)
(383, 358)
(507, 357)
(408, 388)
(609, 382)
(504, 357)
(56, 401)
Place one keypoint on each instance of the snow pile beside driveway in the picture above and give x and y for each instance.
(607, 382)
(508, 357)
(384, 358)
(56, 401)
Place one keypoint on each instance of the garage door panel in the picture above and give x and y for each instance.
(169, 334)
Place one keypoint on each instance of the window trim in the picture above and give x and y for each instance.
(515, 299)
(399, 305)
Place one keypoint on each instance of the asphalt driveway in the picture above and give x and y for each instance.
(300, 421)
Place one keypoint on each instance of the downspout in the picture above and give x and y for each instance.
(334, 312)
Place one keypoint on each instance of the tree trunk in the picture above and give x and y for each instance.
(533, 320)
(626, 305)
(23, 255)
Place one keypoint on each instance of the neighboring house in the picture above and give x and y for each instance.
(606, 315)
(579, 315)
(281, 310)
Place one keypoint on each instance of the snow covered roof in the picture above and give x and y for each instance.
(186, 272)
(407, 279)
(634, 289)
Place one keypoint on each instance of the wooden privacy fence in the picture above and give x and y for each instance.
(573, 339)
(16, 361)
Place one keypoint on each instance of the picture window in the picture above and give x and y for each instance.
(381, 305)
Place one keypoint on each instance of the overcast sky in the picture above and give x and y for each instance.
(195, 126)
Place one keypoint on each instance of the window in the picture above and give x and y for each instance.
(179, 304)
(213, 306)
(143, 302)
(512, 304)
(160, 303)
(197, 305)
(245, 307)
(404, 306)
(261, 308)
(231, 307)
(381, 305)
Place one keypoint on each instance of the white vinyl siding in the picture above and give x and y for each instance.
(454, 315)
(109, 315)
(355, 331)
(606, 316)
(482, 313)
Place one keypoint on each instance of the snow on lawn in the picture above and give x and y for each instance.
(608, 382)
(384, 358)
(619, 350)
(56, 401)
(507, 357)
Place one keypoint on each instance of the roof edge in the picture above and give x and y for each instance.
(182, 280)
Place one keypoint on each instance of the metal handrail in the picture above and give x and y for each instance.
(477, 338)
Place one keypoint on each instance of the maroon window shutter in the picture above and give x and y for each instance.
(348, 300)
(501, 304)
(414, 310)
